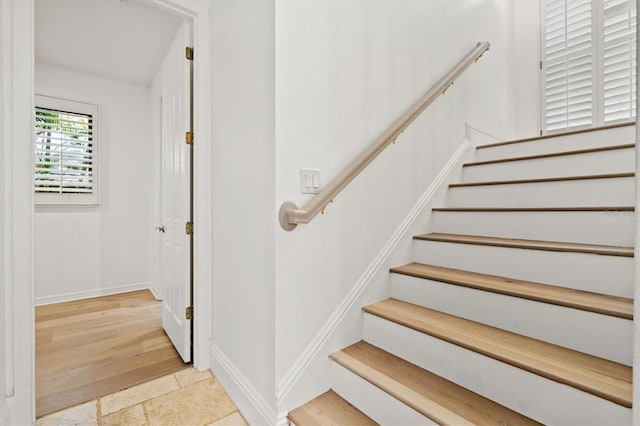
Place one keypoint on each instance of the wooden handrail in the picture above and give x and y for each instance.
(290, 216)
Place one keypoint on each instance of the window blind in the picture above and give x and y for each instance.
(63, 152)
(589, 71)
(569, 58)
(619, 60)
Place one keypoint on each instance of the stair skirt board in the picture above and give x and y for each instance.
(539, 398)
(599, 335)
(572, 193)
(613, 161)
(589, 272)
(615, 228)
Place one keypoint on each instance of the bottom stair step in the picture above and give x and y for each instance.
(328, 409)
(436, 398)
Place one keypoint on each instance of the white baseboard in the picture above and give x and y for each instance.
(315, 347)
(67, 297)
(4, 415)
(248, 400)
(18, 409)
(156, 292)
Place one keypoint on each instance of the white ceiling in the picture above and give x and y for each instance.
(124, 40)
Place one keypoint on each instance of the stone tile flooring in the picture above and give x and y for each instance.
(185, 398)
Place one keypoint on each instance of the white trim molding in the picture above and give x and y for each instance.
(68, 297)
(470, 129)
(348, 304)
(17, 79)
(4, 415)
(252, 406)
(198, 12)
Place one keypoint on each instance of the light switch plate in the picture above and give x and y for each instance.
(309, 181)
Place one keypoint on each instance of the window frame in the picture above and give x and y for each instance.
(598, 73)
(92, 199)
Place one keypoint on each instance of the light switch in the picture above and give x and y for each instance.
(309, 181)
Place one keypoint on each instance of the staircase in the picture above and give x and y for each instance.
(516, 309)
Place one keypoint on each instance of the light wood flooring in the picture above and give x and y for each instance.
(89, 348)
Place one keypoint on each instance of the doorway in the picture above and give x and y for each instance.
(17, 401)
(92, 249)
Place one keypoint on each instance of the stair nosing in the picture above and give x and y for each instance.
(556, 135)
(295, 414)
(536, 209)
(550, 155)
(554, 246)
(444, 413)
(543, 180)
(409, 401)
(518, 357)
(516, 291)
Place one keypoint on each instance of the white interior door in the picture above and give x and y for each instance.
(176, 194)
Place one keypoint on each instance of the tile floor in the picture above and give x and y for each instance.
(185, 398)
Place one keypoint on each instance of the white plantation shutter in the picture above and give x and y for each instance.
(569, 57)
(64, 152)
(588, 57)
(619, 60)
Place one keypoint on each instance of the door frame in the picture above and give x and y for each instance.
(17, 390)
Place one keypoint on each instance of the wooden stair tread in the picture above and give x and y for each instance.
(556, 135)
(536, 209)
(328, 409)
(529, 244)
(600, 377)
(593, 302)
(550, 155)
(542, 180)
(433, 396)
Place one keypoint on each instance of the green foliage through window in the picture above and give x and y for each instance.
(63, 152)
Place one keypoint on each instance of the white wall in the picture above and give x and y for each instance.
(526, 63)
(94, 251)
(243, 199)
(345, 71)
(4, 409)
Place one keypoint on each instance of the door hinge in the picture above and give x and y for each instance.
(188, 228)
(188, 138)
(540, 64)
(188, 314)
(188, 53)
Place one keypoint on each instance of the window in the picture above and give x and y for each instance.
(589, 53)
(65, 155)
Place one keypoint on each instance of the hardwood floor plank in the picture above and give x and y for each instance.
(329, 409)
(439, 399)
(528, 244)
(559, 134)
(541, 180)
(593, 302)
(89, 348)
(598, 376)
(550, 155)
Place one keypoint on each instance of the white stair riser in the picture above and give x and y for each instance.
(608, 228)
(542, 399)
(618, 136)
(595, 163)
(599, 274)
(378, 405)
(574, 193)
(599, 335)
